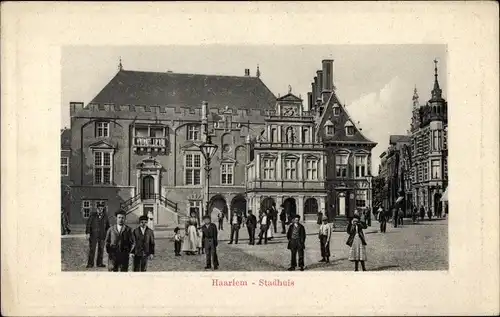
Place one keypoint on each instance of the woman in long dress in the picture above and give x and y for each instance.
(270, 229)
(190, 244)
(357, 242)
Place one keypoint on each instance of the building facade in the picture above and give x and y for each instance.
(135, 147)
(429, 129)
(65, 170)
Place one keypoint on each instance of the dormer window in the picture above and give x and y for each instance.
(329, 128)
(349, 128)
(336, 110)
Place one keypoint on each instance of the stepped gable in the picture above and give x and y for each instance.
(155, 88)
(340, 121)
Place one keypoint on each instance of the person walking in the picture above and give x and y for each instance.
(283, 220)
(210, 243)
(324, 235)
(400, 216)
(382, 219)
(422, 212)
(264, 226)
(357, 242)
(220, 218)
(414, 215)
(395, 219)
(429, 214)
(177, 241)
(96, 229)
(143, 246)
(274, 218)
(119, 242)
(296, 236)
(235, 227)
(251, 225)
(190, 244)
(64, 223)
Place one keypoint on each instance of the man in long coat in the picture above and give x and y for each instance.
(251, 225)
(119, 244)
(296, 236)
(210, 243)
(96, 228)
(143, 246)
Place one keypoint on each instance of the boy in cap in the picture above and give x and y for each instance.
(119, 244)
(143, 246)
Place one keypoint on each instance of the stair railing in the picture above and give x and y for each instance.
(128, 204)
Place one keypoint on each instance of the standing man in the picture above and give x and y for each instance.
(296, 236)
(210, 242)
(400, 216)
(274, 217)
(251, 225)
(97, 226)
(395, 216)
(220, 218)
(283, 219)
(119, 244)
(64, 223)
(264, 226)
(325, 233)
(235, 227)
(382, 219)
(143, 246)
(422, 212)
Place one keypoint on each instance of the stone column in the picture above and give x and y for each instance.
(300, 167)
(279, 168)
(300, 207)
(257, 167)
(138, 186)
(322, 205)
(279, 201)
(157, 182)
(321, 164)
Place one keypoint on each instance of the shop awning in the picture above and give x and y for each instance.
(445, 195)
(400, 199)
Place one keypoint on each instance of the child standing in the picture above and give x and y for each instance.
(200, 242)
(177, 241)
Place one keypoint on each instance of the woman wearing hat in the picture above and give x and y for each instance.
(190, 245)
(357, 241)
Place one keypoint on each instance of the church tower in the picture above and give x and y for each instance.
(415, 121)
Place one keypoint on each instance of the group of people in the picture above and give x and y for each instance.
(121, 242)
(397, 215)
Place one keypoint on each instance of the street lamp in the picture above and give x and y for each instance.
(208, 150)
(370, 191)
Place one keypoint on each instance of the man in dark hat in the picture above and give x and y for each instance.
(209, 238)
(251, 225)
(296, 236)
(97, 226)
(143, 247)
(119, 244)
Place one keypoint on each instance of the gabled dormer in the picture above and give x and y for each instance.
(289, 105)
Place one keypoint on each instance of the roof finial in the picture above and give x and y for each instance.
(436, 92)
(289, 89)
(258, 71)
(120, 66)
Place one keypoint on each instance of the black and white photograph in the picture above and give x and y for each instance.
(254, 158)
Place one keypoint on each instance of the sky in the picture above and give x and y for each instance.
(376, 82)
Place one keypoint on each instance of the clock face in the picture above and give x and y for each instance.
(289, 111)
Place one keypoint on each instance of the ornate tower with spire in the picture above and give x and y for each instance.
(415, 119)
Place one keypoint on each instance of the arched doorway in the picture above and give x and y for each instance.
(290, 207)
(267, 203)
(218, 203)
(239, 205)
(148, 187)
(311, 209)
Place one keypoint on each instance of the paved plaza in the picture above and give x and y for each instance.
(422, 246)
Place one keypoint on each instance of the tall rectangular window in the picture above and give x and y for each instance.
(274, 135)
(227, 174)
(86, 208)
(193, 169)
(290, 169)
(194, 207)
(361, 198)
(341, 165)
(193, 132)
(330, 130)
(349, 130)
(435, 140)
(435, 169)
(361, 166)
(426, 171)
(305, 136)
(64, 166)
(102, 167)
(268, 168)
(102, 129)
(311, 169)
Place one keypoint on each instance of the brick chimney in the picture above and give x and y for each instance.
(319, 74)
(313, 92)
(309, 102)
(247, 72)
(327, 81)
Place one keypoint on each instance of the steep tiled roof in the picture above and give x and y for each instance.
(393, 139)
(151, 88)
(339, 121)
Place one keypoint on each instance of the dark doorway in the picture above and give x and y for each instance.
(239, 205)
(290, 208)
(437, 205)
(311, 209)
(148, 187)
(267, 204)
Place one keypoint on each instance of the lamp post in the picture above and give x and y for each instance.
(208, 150)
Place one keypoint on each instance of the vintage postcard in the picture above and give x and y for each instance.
(214, 177)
